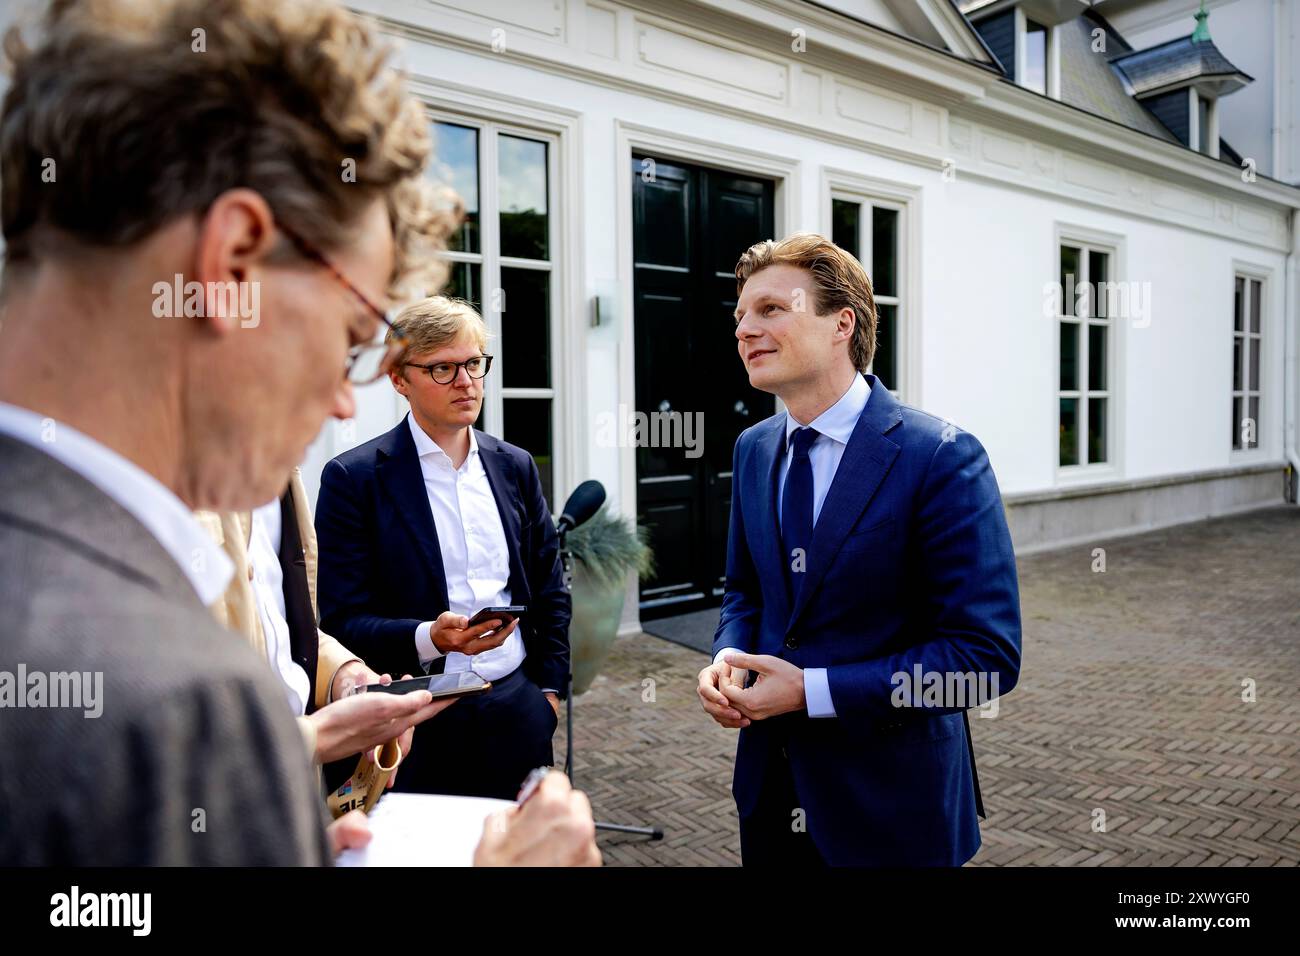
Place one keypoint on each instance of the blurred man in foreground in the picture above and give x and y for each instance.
(189, 289)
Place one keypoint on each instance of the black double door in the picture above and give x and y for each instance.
(690, 225)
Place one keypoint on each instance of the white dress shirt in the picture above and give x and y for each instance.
(144, 497)
(268, 591)
(834, 428)
(475, 559)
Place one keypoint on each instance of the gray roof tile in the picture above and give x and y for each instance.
(1177, 61)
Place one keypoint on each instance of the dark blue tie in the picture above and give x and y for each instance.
(797, 510)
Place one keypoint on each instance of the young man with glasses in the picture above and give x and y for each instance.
(429, 523)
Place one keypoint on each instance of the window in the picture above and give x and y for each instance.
(1246, 340)
(1033, 71)
(1084, 326)
(503, 263)
(872, 233)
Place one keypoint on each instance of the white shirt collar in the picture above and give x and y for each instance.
(424, 445)
(144, 497)
(840, 419)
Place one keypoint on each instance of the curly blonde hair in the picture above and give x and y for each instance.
(149, 111)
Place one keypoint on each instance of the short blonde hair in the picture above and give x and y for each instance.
(437, 321)
(838, 281)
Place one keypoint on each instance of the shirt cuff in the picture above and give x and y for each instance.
(308, 730)
(424, 645)
(817, 692)
(329, 696)
(725, 651)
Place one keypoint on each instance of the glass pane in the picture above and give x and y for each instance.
(1237, 346)
(1253, 433)
(1256, 293)
(1035, 65)
(1069, 431)
(1070, 278)
(526, 328)
(1097, 429)
(1253, 384)
(884, 251)
(845, 219)
(1069, 356)
(455, 164)
(1237, 423)
(884, 365)
(1097, 358)
(464, 283)
(1098, 276)
(528, 425)
(1237, 303)
(523, 197)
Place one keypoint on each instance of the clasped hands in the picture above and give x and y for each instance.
(778, 689)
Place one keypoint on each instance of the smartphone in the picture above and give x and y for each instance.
(439, 685)
(503, 614)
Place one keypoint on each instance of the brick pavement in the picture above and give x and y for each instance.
(1129, 705)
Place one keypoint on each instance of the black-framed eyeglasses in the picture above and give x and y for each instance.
(444, 373)
(367, 361)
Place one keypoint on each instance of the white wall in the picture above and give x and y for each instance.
(987, 248)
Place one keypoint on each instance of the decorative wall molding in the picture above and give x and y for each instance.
(861, 87)
(990, 153)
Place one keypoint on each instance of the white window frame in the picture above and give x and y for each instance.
(560, 129)
(1261, 274)
(491, 262)
(1088, 240)
(905, 200)
(1051, 55)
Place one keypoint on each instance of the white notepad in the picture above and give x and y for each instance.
(423, 829)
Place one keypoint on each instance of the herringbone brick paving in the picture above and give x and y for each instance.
(1128, 715)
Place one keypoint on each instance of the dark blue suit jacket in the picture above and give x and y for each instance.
(381, 575)
(910, 562)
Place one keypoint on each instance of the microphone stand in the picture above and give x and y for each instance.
(654, 833)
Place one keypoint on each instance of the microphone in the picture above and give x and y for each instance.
(582, 504)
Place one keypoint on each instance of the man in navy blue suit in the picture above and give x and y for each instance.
(426, 525)
(871, 593)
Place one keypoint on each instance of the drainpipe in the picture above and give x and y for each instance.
(1291, 371)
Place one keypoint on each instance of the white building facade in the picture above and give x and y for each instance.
(618, 157)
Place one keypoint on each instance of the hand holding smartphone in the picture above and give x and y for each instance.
(503, 614)
(460, 684)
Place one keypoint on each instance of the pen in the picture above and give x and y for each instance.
(530, 784)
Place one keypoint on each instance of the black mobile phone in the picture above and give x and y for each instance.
(503, 614)
(439, 685)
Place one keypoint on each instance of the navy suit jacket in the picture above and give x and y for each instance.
(380, 571)
(910, 563)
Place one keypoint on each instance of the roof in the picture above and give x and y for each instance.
(1089, 82)
(1179, 62)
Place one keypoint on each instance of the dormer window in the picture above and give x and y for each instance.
(1181, 82)
(1033, 60)
(1025, 37)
